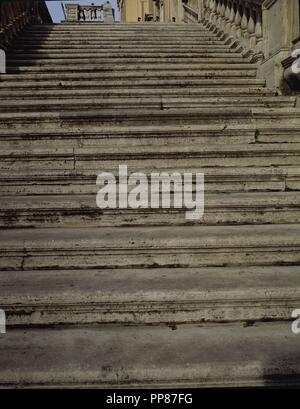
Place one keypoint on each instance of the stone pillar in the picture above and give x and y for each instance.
(108, 13)
(72, 12)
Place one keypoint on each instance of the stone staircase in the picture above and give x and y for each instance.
(139, 298)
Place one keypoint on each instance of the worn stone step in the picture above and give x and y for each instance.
(136, 60)
(157, 102)
(183, 356)
(159, 135)
(144, 156)
(91, 27)
(268, 133)
(288, 117)
(274, 117)
(81, 210)
(104, 136)
(104, 91)
(120, 53)
(124, 47)
(101, 35)
(144, 70)
(149, 295)
(94, 25)
(146, 73)
(69, 26)
(116, 26)
(132, 39)
(118, 38)
(162, 246)
(139, 116)
(219, 179)
(41, 81)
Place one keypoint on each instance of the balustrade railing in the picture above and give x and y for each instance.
(16, 15)
(239, 20)
(103, 13)
(190, 14)
(89, 13)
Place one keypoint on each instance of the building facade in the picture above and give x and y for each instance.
(166, 11)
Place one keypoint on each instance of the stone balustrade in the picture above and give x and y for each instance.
(239, 20)
(16, 15)
(190, 15)
(267, 31)
(103, 13)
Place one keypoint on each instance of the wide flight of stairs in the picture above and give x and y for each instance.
(124, 297)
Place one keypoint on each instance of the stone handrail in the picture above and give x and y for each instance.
(190, 15)
(103, 13)
(239, 20)
(16, 15)
(267, 31)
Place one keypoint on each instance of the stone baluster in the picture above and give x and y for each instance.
(210, 7)
(222, 20)
(203, 9)
(232, 32)
(237, 21)
(258, 34)
(251, 31)
(214, 12)
(244, 28)
(207, 11)
(227, 18)
(218, 16)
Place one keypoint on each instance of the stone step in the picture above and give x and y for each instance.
(158, 135)
(101, 73)
(162, 246)
(81, 211)
(60, 82)
(140, 116)
(181, 356)
(103, 35)
(219, 179)
(141, 157)
(156, 102)
(149, 295)
(93, 118)
(125, 47)
(100, 38)
(136, 60)
(104, 38)
(104, 91)
(120, 54)
(144, 69)
(119, 27)
(88, 28)
(129, 44)
(94, 25)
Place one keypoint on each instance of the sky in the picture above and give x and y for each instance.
(56, 12)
